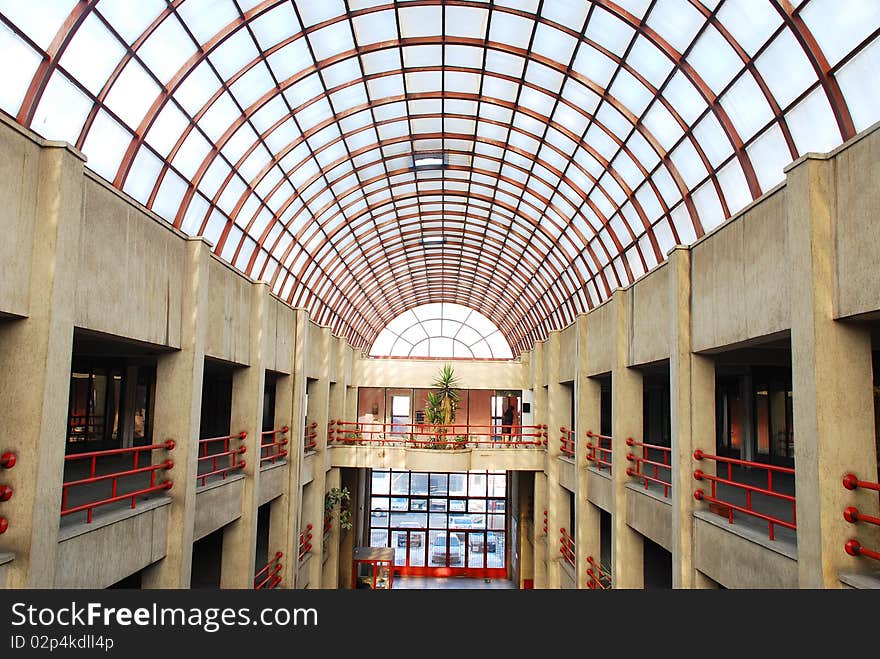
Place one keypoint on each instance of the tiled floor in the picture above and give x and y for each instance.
(450, 583)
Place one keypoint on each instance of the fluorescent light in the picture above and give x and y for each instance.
(433, 240)
(429, 160)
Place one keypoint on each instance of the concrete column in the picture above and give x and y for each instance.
(541, 539)
(330, 575)
(313, 495)
(248, 385)
(832, 384)
(558, 500)
(588, 413)
(35, 377)
(692, 416)
(279, 517)
(627, 562)
(286, 515)
(177, 414)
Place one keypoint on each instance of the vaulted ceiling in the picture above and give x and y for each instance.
(522, 158)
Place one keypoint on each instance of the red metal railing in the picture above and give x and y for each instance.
(566, 547)
(852, 515)
(310, 440)
(599, 577)
(600, 451)
(270, 576)
(661, 471)
(427, 435)
(113, 478)
(7, 461)
(566, 440)
(305, 542)
(273, 448)
(545, 521)
(772, 521)
(233, 463)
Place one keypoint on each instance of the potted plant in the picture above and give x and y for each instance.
(440, 406)
(337, 501)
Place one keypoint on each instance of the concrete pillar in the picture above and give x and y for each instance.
(177, 414)
(588, 413)
(313, 495)
(627, 564)
(692, 416)
(279, 516)
(35, 377)
(558, 499)
(541, 539)
(248, 384)
(330, 574)
(832, 385)
(286, 515)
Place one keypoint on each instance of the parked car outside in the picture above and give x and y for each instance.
(439, 551)
(415, 539)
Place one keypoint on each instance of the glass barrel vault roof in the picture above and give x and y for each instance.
(580, 139)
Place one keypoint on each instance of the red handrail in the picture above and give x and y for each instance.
(600, 578)
(427, 435)
(273, 449)
(234, 464)
(566, 547)
(852, 515)
(270, 576)
(639, 461)
(7, 461)
(114, 477)
(597, 453)
(566, 440)
(310, 440)
(545, 521)
(305, 542)
(772, 521)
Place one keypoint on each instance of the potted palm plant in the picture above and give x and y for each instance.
(441, 405)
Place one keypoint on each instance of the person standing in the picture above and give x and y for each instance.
(508, 421)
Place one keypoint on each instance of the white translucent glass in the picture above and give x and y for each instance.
(676, 21)
(839, 25)
(331, 40)
(632, 93)
(313, 13)
(105, 145)
(191, 154)
(144, 171)
(708, 206)
(291, 59)
(205, 18)
(747, 107)
(712, 139)
(62, 110)
(554, 44)
(132, 94)
(687, 102)
(468, 22)
(167, 48)
(857, 82)
(252, 85)
(39, 19)
(198, 86)
(129, 24)
(170, 196)
(92, 54)
(714, 60)
(687, 161)
(734, 187)
(16, 79)
(812, 124)
(785, 68)
(649, 61)
(662, 125)
(751, 23)
(609, 31)
(769, 155)
(220, 116)
(510, 29)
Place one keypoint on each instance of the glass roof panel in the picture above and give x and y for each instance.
(529, 177)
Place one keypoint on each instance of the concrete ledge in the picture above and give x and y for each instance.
(398, 457)
(217, 504)
(6, 559)
(107, 516)
(307, 470)
(102, 555)
(567, 579)
(650, 515)
(734, 557)
(599, 490)
(567, 473)
(272, 481)
(861, 580)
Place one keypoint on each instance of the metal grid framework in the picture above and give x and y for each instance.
(581, 139)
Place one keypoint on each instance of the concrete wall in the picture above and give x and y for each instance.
(740, 277)
(272, 481)
(650, 311)
(229, 308)
(568, 354)
(217, 505)
(649, 515)
(600, 491)
(737, 561)
(600, 339)
(18, 190)
(129, 262)
(420, 373)
(98, 555)
(281, 323)
(856, 226)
